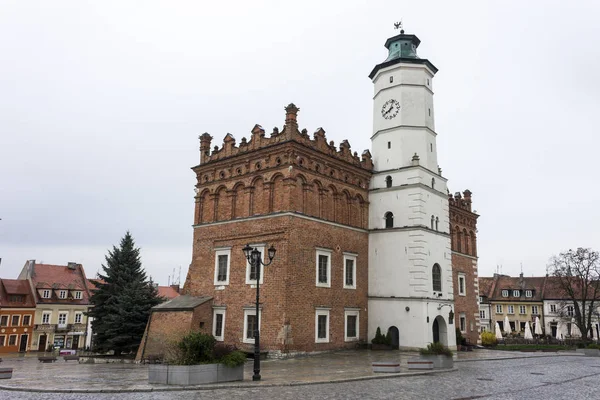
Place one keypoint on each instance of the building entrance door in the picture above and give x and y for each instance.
(395, 335)
(23, 344)
(75, 344)
(42, 343)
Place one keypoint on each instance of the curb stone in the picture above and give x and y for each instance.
(231, 386)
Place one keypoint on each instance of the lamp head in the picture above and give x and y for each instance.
(247, 250)
(255, 255)
(271, 252)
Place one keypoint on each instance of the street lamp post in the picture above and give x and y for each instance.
(254, 258)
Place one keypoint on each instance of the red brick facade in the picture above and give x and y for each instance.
(463, 228)
(302, 196)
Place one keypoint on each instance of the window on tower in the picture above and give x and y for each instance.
(437, 222)
(433, 183)
(391, 79)
(436, 274)
(389, 219)
(432, 221)
(389, 145)
(388, 181)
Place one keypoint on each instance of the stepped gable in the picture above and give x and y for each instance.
(290, 132)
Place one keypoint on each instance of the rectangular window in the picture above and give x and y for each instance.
(322, 326)
(351, 331)
(46, 318)
(511, 309)
(78, 295)
(534, 310)
(323, 268)
(498, 308)
(522, 310)
(78, 318)
(4, 320)
(251, 270)
(46, 294)
(463, 323)
(62, 294)
(26, 320)
(251, 324)
(480, 299)
(16, 298)
(2, 340)
(462, 285)
(570, 311)
(15, 320)
(528, 293)
(349, 271)
(481, 314)
(389, 145)
(219, 325)
(552, 308)
(522, 326)
(516, 293)
(62, 319)
(505, 293)
(12, 340)
(222, 265)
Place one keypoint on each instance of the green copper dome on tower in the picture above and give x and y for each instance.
(402, 46)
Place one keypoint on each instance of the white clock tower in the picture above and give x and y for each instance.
(410, 271)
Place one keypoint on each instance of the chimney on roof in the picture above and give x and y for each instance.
(175, 287)
(72, 265)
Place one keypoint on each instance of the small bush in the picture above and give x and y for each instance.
(593, 346)
(488, 339)
(196, 348)
(436, 349)
(379, 338)
(221, 350)
(233, 359)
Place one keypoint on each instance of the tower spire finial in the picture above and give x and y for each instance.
(398, 25)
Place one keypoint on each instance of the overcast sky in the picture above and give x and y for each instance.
(101, 105)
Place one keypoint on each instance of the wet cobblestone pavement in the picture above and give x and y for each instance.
(538, 375)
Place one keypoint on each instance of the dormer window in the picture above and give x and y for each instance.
(62, 294)
(46, 294)
(505, 293)
(78, 295)
(516, 293)
(528, 293)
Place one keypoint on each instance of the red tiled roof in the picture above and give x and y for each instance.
(503, 282)
(16, 287)
(47, 276)
(167, 292)
(485, 284)
(553, 289)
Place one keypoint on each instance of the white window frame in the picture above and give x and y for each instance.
(352, 257)
(461, 317)
(553, 308)
(320, 312)
(23, 320)
(482, 314)
(570, 311)
(261, 248)
(535, 310)
(3, 342)
(510, 309)
(220, 311)
(78, 295)
(16, 339)
(528, 293)
(80, 315)
(516, 293)
(462, 277)
(504, 293)
(222, 251)
(499, 309)
(328, 253)
(18, 320)
(46, 294)
(49, 314)
(66, 314)
(62, 294)
(349, 313)
(522, 310)
(250, 311)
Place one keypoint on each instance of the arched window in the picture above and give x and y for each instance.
(389, 219)
(433, 183)
(473, 243)
(437, 221)
(388, 181)
(436, 275)
(432, 221)
(458, 240)
(466, 236)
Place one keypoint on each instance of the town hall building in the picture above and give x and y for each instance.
(362, 241)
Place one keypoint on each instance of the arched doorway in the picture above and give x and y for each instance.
(440, 331)
(395, 335)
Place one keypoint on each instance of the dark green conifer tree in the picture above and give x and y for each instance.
(122, 300)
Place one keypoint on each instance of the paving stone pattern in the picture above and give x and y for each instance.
(555, 377)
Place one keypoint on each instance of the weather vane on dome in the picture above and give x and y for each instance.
(398, 25)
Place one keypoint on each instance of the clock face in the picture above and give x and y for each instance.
(390, 109)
